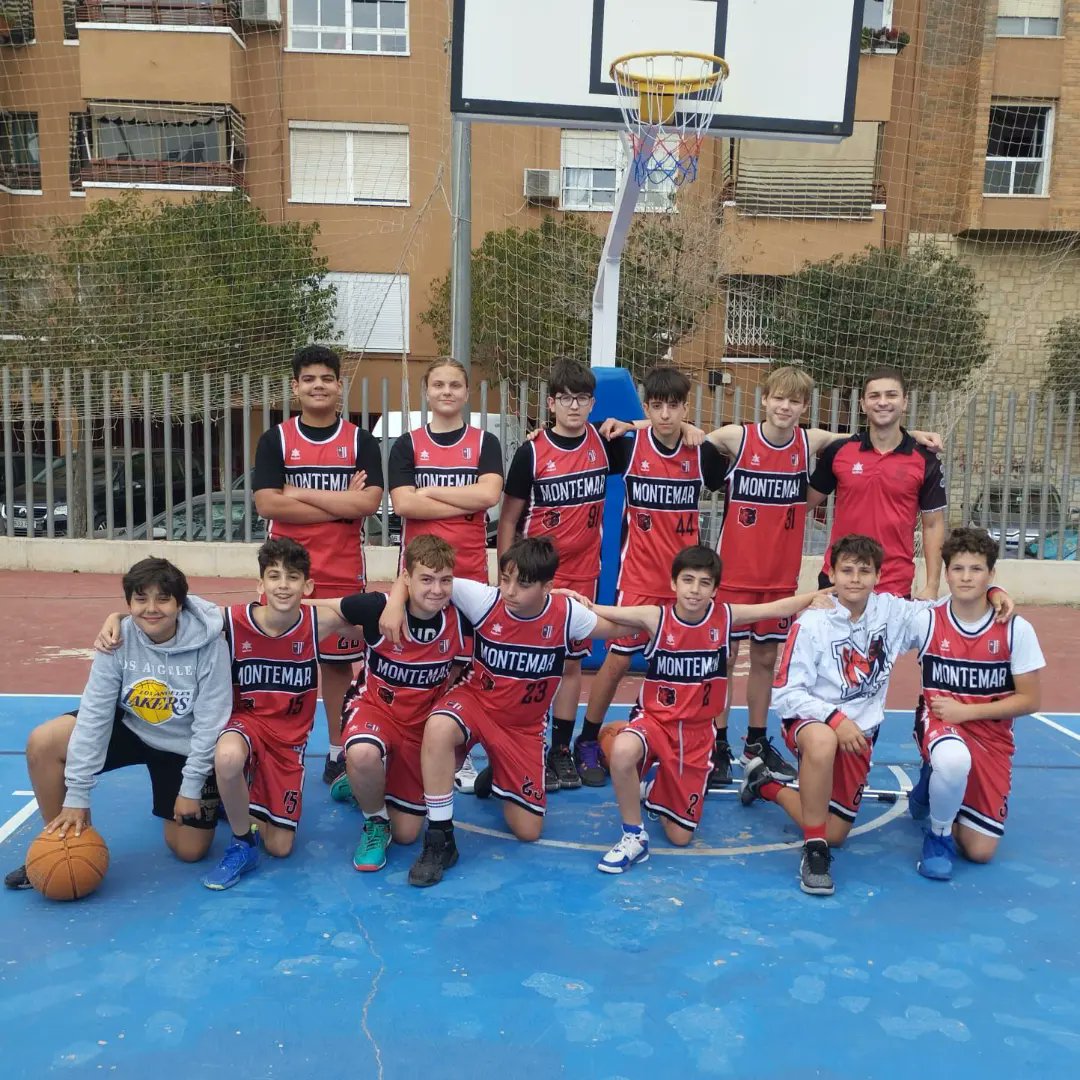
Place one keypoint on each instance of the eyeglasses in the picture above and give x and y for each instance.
(573, 401)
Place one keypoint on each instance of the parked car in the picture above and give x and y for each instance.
(222, 527)
(1050, 546)
(991, 505)
(18, 470)
(164, 471)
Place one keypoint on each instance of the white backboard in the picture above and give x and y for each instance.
(794, 63)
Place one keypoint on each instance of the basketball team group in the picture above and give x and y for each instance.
(217, 704)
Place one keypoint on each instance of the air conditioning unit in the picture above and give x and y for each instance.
(542, 184)
(261, 12)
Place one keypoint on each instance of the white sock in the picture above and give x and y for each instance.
(440, 807)
(380, 813)
(951, 763)
(336, 752)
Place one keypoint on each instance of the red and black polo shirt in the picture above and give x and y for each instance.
(881, 495)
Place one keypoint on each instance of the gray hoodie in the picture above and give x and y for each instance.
(176, 696)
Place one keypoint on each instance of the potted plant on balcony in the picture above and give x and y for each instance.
(884, 39)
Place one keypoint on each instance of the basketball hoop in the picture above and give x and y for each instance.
(667, 100)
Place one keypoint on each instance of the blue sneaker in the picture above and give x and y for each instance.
(238, 859)
(632, 848)
(918, 800)
(938, 854)
(341, 790)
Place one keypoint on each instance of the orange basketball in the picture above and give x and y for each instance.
(70, 868)
(607, 737)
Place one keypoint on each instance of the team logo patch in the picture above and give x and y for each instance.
(993, 646)
(245, 647)
(795, 460)
(685, 466)
(295, 455)
(342, 452)
(645, 466)
(386, 694)
(714, 635)
(444, 646)
(665, 695)
(487, 682)
(549, 467)
(496, 628)
(466, 453)
(551, 519)
(862, 675)
(755, 460)
(669, 640)
(591, 456)
(945, 646)
(424, 455)
(856, 469)
(547, 631)
(644, 522)
(747, 515)
(298, 647)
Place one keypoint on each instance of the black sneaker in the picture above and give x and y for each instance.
(814, 876)
(333, 769)
(754, 776)
(561, 762)
(771, 756)
(587, 762)
(439, 854)
(482, 784)
(551, 777)
(17, 879)
(720, 776)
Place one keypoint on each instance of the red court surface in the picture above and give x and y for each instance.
(51, 619)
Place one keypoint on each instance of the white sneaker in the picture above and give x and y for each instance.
(632, 848)
(465, 777)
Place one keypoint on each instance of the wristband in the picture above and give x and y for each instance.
(835, 719)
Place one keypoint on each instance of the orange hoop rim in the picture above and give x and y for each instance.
(667, 84)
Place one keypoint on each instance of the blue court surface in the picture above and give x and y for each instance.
(527, 962)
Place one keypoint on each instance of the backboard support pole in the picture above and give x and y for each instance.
(461, 243)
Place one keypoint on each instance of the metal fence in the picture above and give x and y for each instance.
(141, 455)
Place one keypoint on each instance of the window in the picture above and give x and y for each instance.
(1028, 18)
(357, 26)
(78, 148)
(372, 312)
(349, 163)
(593, 163)
(746, 324)
(16, 22)
(20, 155)
(71, 29)
(1018, 150)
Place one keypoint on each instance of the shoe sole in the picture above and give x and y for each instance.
(229, 884)
(817, 890)
(622, 869)
(931, 876)
(567, 785)
(372, 869)
(746, 796)
(600, 781)
(466, 787)
(434, 881)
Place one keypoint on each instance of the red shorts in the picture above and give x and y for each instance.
(764, 629)
(633, 643)
(850, 770)
(275, 775)
(347, 646)
(587, 588)
(678, 791)
(986, 798)
(516, 753)
(400, 747)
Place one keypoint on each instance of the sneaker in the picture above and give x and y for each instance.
(333, 769)
(814, 876)
(938, 855)
(918, 800)
(587, 760)
(370, 853)
(439, 854)
(720, 776)
(768, 753)
(632, 848)
(465, 777)
(755, 774)
(17, 879)
(341, 790)
(561, 762)
(482, 784)
(551, 777)
(239, 858)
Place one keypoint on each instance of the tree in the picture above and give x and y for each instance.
(532, 290)
(1063, 363)
(917, 311)
(204, 285)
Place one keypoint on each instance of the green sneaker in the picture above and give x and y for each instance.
(370, 853)
(341, 790)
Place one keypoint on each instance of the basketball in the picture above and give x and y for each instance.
(68, 868)
(607, 737)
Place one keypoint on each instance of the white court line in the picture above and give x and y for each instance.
(1044, 717)
(894, 811)
(16, 821)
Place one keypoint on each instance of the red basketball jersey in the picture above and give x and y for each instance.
(405, 680)
(336, 547)
(972, 668)
(662, 495)
(275, 679)
(567, 501)
(686, 678)
(765, 512)
(518, 663)
(451, 466)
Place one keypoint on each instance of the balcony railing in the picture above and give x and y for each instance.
(189, 173)
(767, 189)
(16, 22)
(151, 12)
(20, 177)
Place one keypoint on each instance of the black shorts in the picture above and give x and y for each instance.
(166, 771)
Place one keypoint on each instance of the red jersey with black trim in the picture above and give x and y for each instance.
(336, 547)
(686, 678)
(451, 466)
(567, 501)
(405, 680)
(275, 679)
(518, 663)
(971, 667)
(765, 512)
(663, 489)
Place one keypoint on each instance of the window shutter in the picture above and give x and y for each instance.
(1034, 9)
(591, 150)
(381, 166)
(318, 164)
(372, 311)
